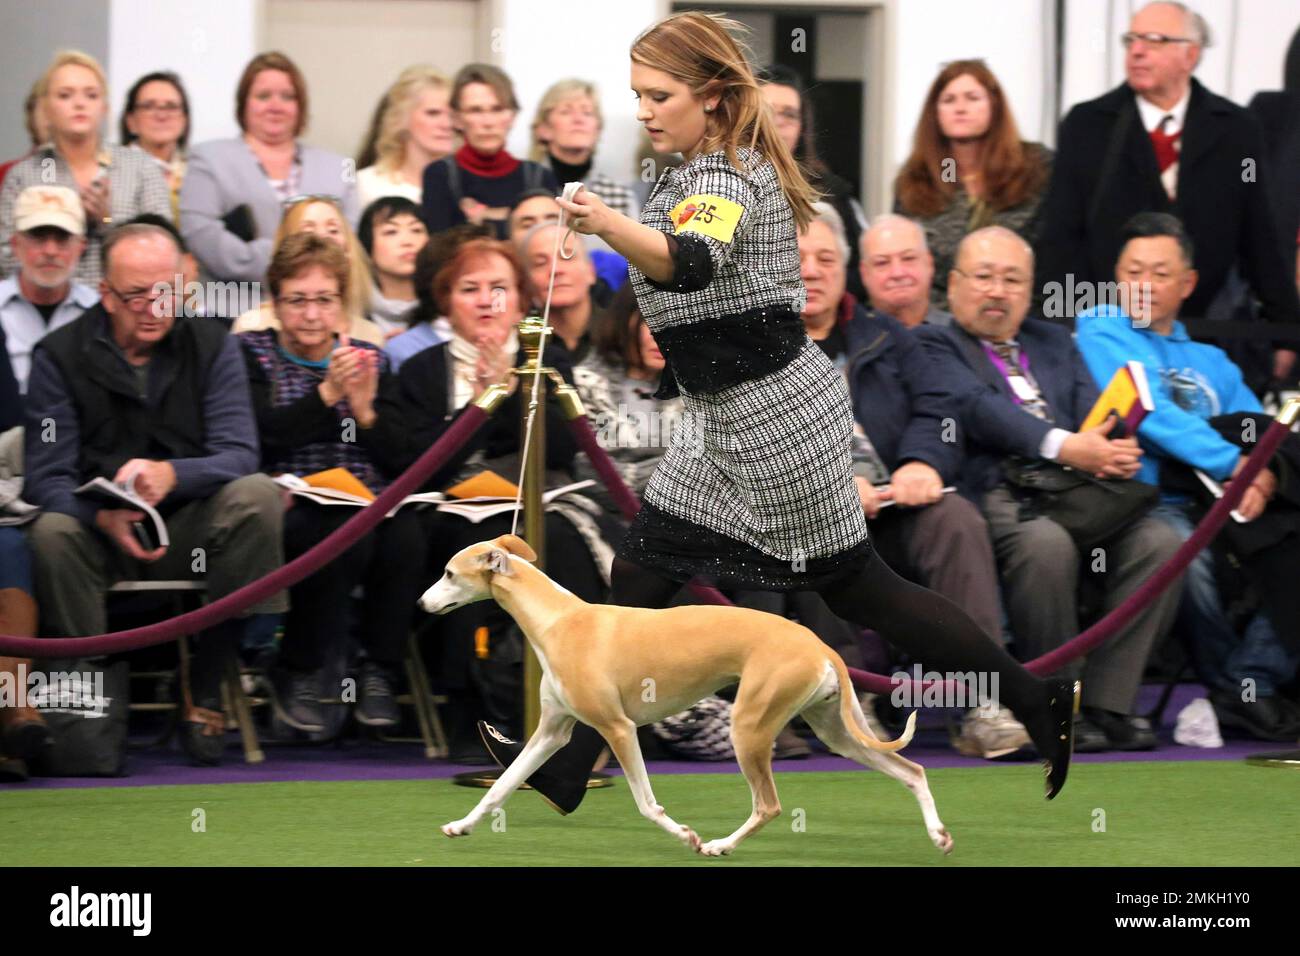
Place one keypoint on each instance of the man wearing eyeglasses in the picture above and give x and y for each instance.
(160, 404)
(1162, 142)
(1022, 390)
(41, 296)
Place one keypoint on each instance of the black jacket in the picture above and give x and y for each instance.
(900, 398)
(420, 410)
(1279, 116)
(991, 426)
(1224, 208)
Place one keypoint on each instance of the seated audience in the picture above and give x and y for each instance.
(323, 216)
(898, 271)
(414, 130)
(114, 183)
(969, 168)
(573, 308)
(566, 128)
(1122, 153)
(792, 110)
(235, 189)
(1023, 391)
(23, 733)
(531, 207)
(617, 380)
(426, 325)
(901, 461)
(1193, 385)
(479, 287)
(314, 395)
(156, 119)
(480, 181)
(137, 396)
(41, 296)
(392, 233)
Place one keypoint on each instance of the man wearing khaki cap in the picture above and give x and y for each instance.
(49, 236)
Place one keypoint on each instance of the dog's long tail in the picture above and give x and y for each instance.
(848, 699)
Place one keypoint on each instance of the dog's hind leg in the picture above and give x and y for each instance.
(754, 754)
(621, 737)
(553, 730)
(824, 718)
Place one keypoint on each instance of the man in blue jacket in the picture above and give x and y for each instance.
(1022, 390)
(131, 393)
(905, 442)
(1191, 383)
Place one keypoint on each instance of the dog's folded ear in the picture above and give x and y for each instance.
(498, 562)
(516, 545)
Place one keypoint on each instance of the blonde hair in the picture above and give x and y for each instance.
(42, 88)
(701, 50)
(399, 101)
(553, 97)
(357, 298)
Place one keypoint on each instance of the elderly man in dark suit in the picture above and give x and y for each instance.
(1023, 390)
(1162, 142)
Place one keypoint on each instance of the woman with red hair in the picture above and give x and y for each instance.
(969, 168)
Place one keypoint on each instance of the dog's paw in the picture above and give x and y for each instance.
(690, 838)
(716, 848)
(942, 839)
(457, 828)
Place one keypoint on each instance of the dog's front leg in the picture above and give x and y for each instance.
(553, 730)
(622, 740)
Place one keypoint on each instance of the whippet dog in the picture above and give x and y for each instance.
(616, 668)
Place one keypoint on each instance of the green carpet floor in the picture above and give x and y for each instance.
(1166, 813)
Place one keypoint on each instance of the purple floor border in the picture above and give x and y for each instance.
(358, 761)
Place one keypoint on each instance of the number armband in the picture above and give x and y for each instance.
(707, 215)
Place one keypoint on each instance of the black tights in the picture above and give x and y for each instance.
(928, 626)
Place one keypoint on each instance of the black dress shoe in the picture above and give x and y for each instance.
(1088, 737)
(1123, 731)
(1062, 704)
(1266, 718)
(562, 780)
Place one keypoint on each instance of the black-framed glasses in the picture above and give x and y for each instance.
(1152, 39)
(292, 201)
(139, 301)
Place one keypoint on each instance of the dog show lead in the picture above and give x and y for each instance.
(756, 490)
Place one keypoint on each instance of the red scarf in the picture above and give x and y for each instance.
(489, 166)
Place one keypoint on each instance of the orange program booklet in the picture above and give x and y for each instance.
(1128, 396)
(340, 479)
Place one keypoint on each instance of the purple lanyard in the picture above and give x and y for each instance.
(1001, 365)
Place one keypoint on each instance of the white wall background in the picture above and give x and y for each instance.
(206, 43)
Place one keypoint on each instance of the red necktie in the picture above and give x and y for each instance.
(1165, 145)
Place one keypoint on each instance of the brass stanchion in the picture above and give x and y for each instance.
(531, 331)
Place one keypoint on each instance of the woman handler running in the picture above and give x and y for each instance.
(761, 494)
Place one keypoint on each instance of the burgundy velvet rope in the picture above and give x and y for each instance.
(300, 567)
(1076, 647)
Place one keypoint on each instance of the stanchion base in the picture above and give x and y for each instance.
(483, 779)
(1283, 758)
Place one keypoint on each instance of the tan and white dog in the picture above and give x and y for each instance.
(616, 668)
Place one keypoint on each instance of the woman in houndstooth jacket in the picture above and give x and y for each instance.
(763, 495)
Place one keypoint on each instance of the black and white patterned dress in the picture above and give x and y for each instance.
(757, 488)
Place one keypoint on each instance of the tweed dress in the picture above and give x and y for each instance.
(756, 489)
